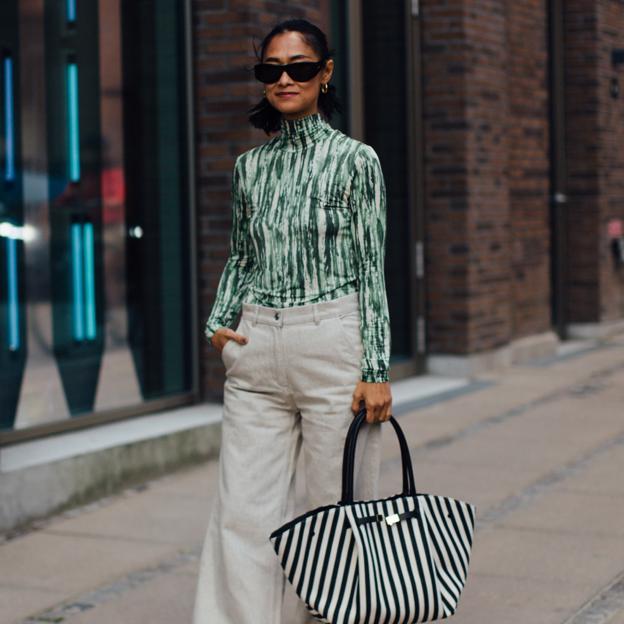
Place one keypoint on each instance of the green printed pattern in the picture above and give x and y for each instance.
(309, 225)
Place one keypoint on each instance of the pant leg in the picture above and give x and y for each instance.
(323, 369)
(240, 580)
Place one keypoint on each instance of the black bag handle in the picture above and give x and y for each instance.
(409, 487)
(348, 459)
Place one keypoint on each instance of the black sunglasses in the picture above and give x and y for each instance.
(299, 72)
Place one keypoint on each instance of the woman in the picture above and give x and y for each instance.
(313, 342)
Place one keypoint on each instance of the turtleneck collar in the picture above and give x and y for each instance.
(301, 133)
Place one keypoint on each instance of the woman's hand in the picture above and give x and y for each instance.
(377, 398)
(223, 334)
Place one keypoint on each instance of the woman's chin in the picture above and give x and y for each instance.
(290, 107)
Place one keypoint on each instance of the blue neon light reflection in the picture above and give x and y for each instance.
(72, 121)
(9, 121)
(13, 316)
(83, 281)
(71, 10)
(89, 280)
(76, 256)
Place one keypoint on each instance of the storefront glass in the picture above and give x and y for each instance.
(95, 280)
(385, 128)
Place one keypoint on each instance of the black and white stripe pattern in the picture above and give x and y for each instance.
(350, 565)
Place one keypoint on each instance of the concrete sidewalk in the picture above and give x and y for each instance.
(538, 448)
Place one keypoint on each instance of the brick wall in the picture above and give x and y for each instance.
(488, 226)
(467, 195)
(611, 160)
(446, 178)
(582, 154)
(595, 131)
(487, 173)
(224, 89)
(529, 164)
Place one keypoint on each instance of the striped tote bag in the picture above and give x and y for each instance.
(398, 560)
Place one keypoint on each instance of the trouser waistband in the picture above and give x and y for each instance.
(306, 313)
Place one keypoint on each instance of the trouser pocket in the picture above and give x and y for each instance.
(232, 351)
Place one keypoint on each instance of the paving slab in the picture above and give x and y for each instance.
(548, 555)
(571, 512)
(73, 563)
(157, 600)
(494, 598)
(162, 511)
(618, 618)
(19, 601)
(509, 444)
(605, 475)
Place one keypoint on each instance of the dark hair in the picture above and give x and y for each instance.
(266, 117)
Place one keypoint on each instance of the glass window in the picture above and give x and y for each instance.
(95, 300)
(385, 96)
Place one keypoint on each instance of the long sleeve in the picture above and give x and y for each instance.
(238, 270)
(368, 198)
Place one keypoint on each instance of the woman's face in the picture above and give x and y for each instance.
(290, 47)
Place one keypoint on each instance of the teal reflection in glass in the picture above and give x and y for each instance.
(70, 6)
(77, 280)
(9, 123)
(89, 266)
(72, 122)
(13, 302)
(83, 281)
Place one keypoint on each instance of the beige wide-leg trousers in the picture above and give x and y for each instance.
(289, 388)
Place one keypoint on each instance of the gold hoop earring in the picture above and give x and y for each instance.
(263, 91)
(324, 88)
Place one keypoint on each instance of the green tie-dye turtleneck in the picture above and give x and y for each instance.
(308, 225)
